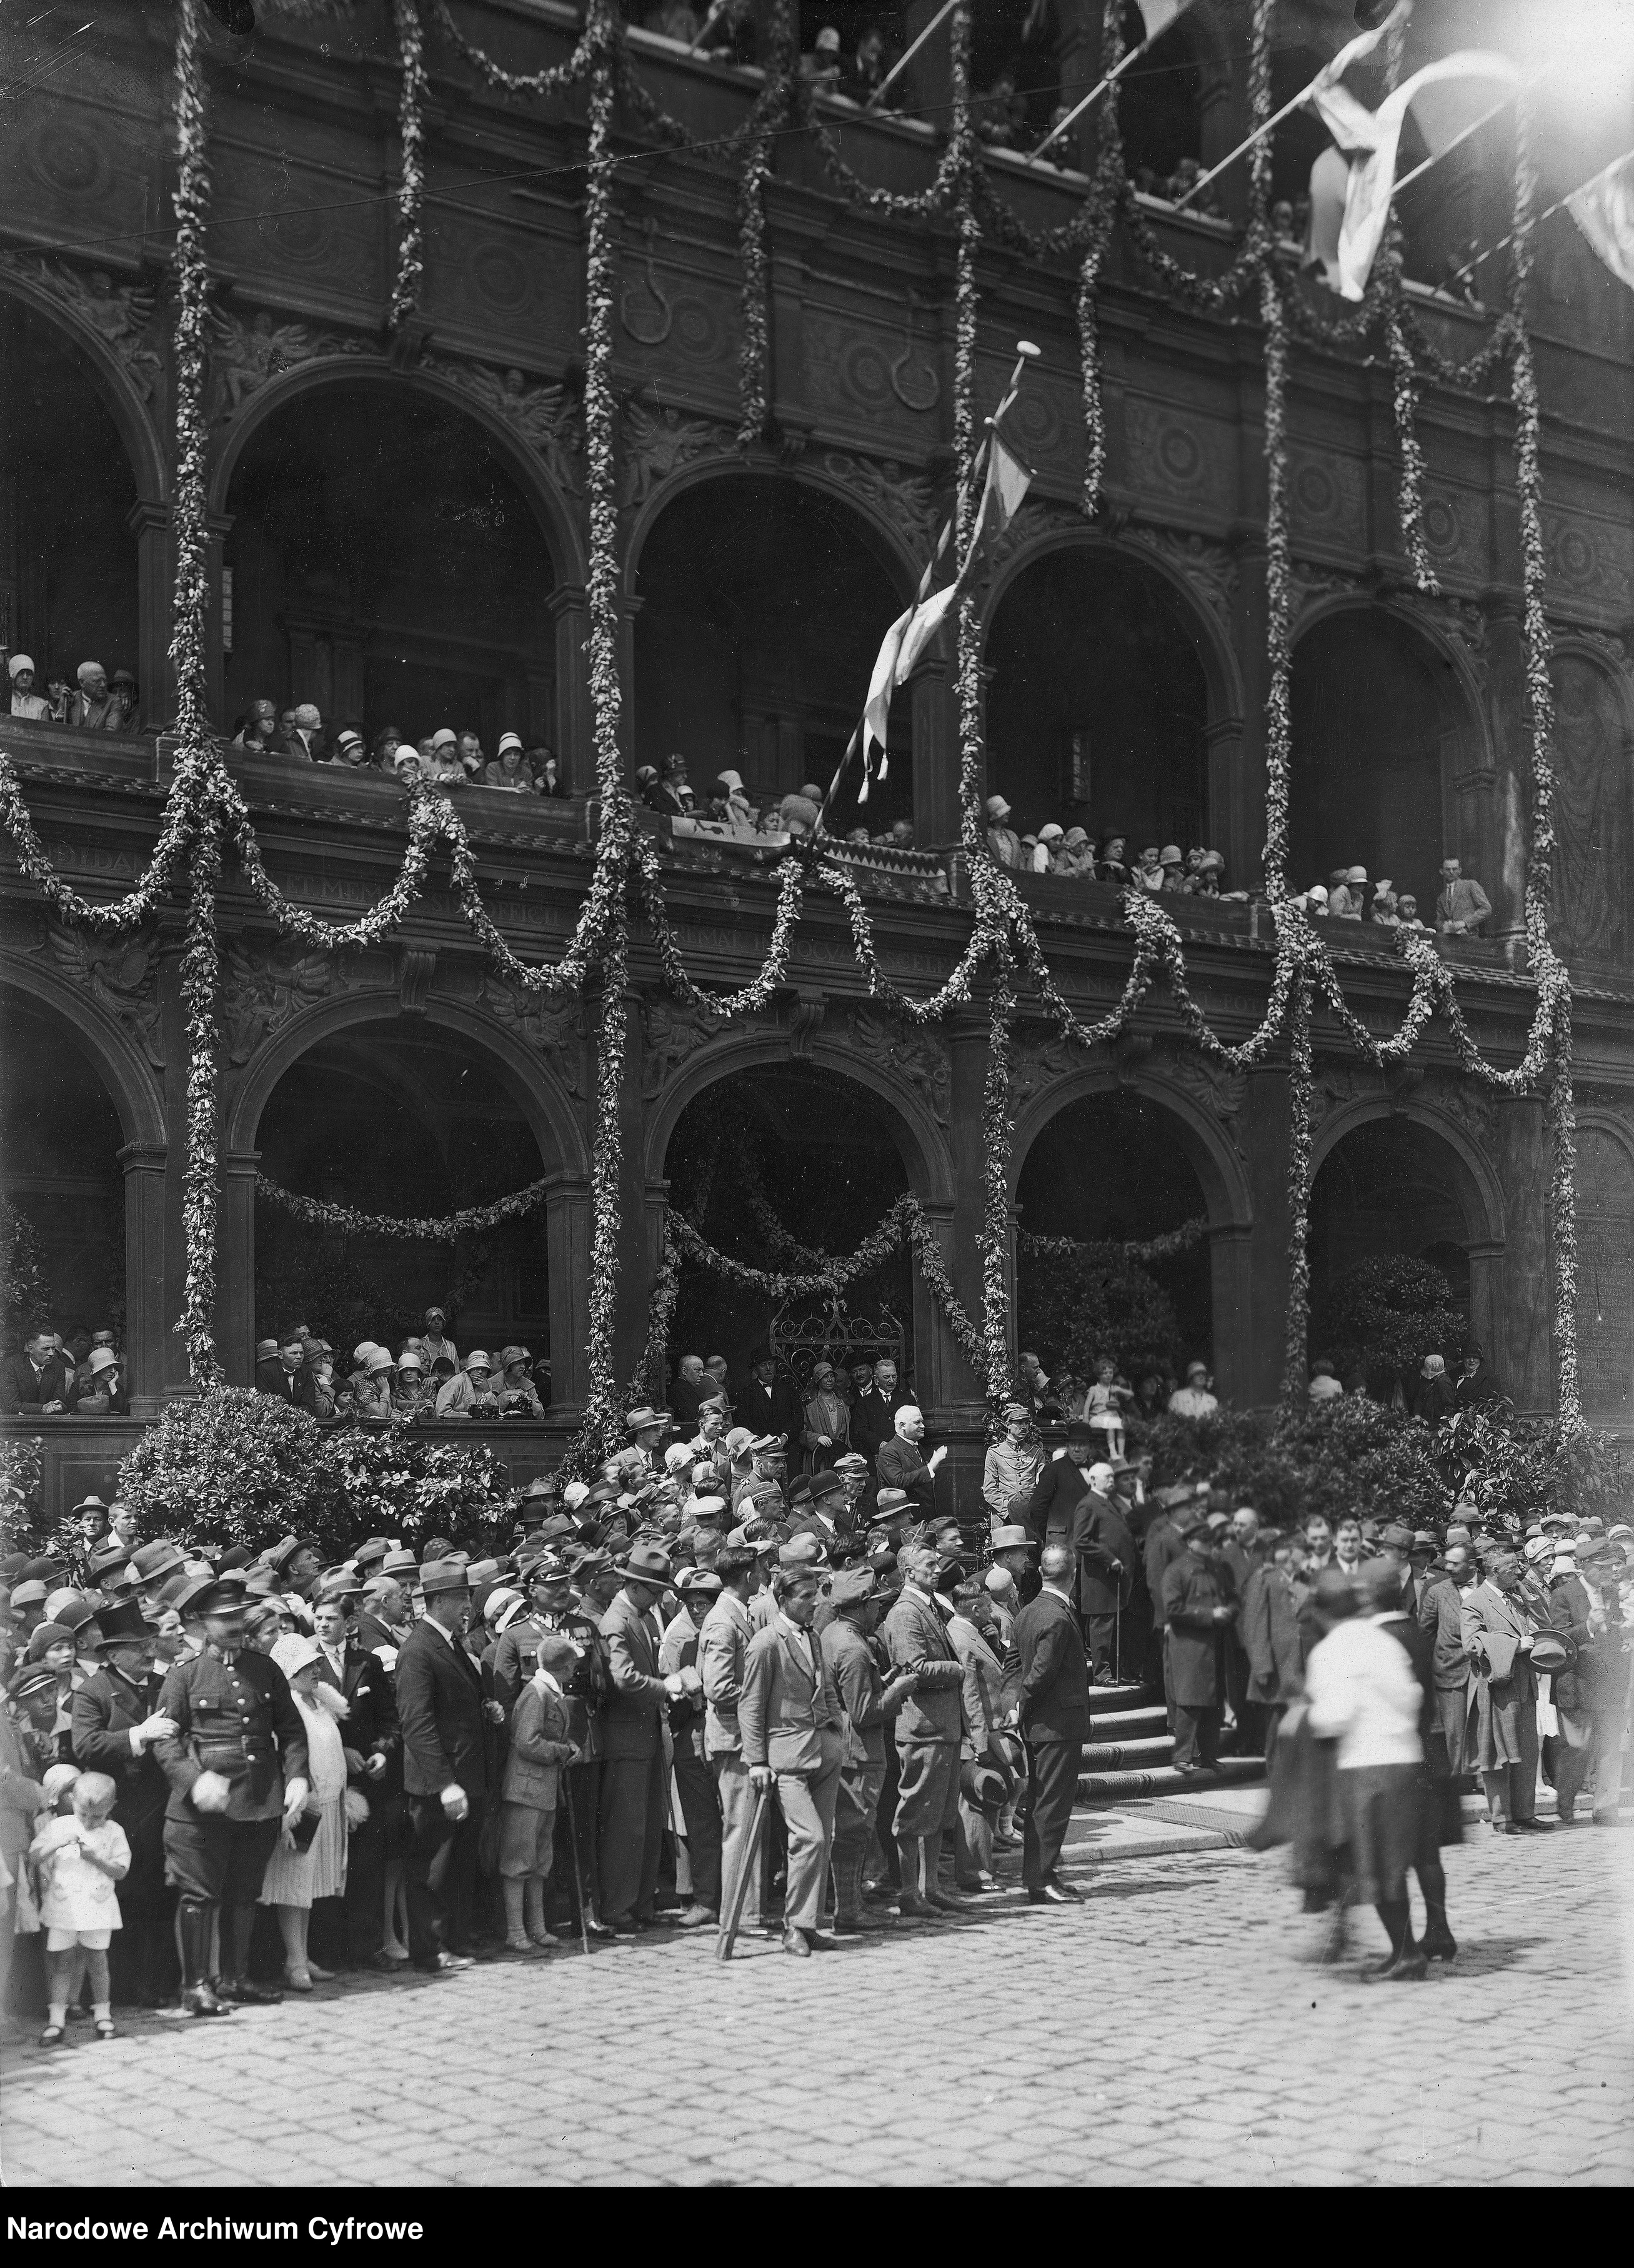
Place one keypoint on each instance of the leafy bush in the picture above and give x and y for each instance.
(25, 1300)
(1096, 1302)
(1351, 1456)
(238, 1467)
(1526, 1466)
(1385, 1314)
(22, 1507)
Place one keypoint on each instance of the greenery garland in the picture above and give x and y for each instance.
(411, 189)
(1146, 1251)
(771, 108)
(348, 1220)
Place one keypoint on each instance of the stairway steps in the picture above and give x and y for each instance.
(1131, 1724)
(1163, 1779)
(1132, 1755)
(1105, 1698)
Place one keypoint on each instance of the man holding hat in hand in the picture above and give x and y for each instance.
(441, 1713)
(790, 1720)
(236, 1761)
(631, 1822)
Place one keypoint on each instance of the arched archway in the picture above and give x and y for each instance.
(392, 561)
(763, 598)
(62, 1137)
(72, 471)
(1383, 727)
(1100, 687)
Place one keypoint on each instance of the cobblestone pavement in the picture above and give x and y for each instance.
(1165, 2030)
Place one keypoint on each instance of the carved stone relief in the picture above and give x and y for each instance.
(658, 443)
(244, 355)
(917, 1057)
(547, 417)
(906, 499)
(119, 313)
(1208, 567)
(262, 987)
(555, 1029)
(670, 1033)
(120, 975)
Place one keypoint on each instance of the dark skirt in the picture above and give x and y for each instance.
(1383, 1809)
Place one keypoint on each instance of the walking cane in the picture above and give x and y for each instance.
(727, 1936)
(1117, 1632)
(579, 1870)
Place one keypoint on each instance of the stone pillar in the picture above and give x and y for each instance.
(949, 1382)
(1505, 883)
(217, 532)
(1228, 805)
(635, 1254)
(1247, 812)
(567, 1229)
(146, 1323)
(170, 1262)
(1231, 1281)
(235, 1269)
(935, 698)
(573, 733)
(1257, 1328)
(149, 523)
(627, 610)
(1523, 1340)
(1486, 1296)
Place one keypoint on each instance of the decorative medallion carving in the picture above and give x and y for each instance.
(917, 386)
(119, 313)
(244, 355)
(262, 987)
(119, 975)
(658, 443)
(914, 1055)
(546, 418)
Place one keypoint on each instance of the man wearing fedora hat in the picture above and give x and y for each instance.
(236, 1763)
(790, 1720)
(116, 1725)
(443, 1720)
(630, 1828)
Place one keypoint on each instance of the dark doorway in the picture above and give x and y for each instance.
(60, 1139)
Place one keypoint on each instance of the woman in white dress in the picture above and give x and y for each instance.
(295, 1875)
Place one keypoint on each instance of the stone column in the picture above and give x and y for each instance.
(1232, 1312)
(149, 523)
(235, 1269)
(146, 1324)
(1486, 1295)
(1505, 879)
(1245, 815)
(171, 1375)
(1257, 1328)
(957, 1390)
(1228, 830)
(635, 1253)
(627, 610)
(573, 734)
(935, 698)
(217, 532)
(1523, 1338)
(567, 1229)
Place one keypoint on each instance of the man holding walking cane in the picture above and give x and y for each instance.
(791, 1722)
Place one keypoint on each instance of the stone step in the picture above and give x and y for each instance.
(1163, 1779)
(1131, 1724)
(1119, 1756)
(1104, 1699)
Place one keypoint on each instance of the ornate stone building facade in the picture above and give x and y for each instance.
(399, 534)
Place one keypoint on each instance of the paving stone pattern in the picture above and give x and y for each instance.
(1167, 2030)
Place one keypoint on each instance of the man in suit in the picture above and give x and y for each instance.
(1197, 1608)
(902, 1463)
(285, 1374)
(687, 1396)
(1051, 1508)
(791, 1724)
(441, 1714)
(115, 1727)
(1160, 1547)
(870, 1705)
(632, 1809)
(722, 1650)
(1498, 1638)
(873, 1410)
(929, 1731)
(768, 1403)
(373, 1746)
(37, 1380)
(694, 1782)
(1052, 1709)
(1105, 1560)
(1441, 1616)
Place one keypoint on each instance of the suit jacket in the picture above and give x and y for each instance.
(773, 1409)
(873, 1420)
(1192, 1588)
(1106, 1537)
(1268, 1624)
(917, 1639)
(723, 1644)
(103, 1711)
(1052, 1684)
(858, 1681)
(1575, 1689)
(19, 1390)
(984, 1684)
(293, 1387)
(632, 1726)
(1441, 1615)
(1163, 1547)
(790, 1713)
(539, 1746)
(1049, 1511)
(372, 1728)
(902, 1465)
(685, 1400)
(439, 1708)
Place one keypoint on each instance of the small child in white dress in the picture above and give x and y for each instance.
(78, 1858)
(1103, 1405)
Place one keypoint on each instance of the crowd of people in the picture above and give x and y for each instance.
(79, 1372)
(94, 702)
(750, 1675)
(426, 1380)
(1073, 852)
(445, 757)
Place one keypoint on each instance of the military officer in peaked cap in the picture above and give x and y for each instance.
(236, 1763)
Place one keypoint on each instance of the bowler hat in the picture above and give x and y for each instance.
(826, 1484)
(646, 1563)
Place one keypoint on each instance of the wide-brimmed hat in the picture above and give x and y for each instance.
(477, 1361)
(437, 1576)
(639, 1421)
(646, 1563)
(1012, 1538)
(153, 1563)
(295, 1651)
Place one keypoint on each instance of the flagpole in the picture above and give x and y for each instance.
(903, 60)
(1258, 134)
(1548, 213)
(717, 7)
(1485, 119)
(1077, 109)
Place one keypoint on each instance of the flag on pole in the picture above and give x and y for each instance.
(1158, 15)
(1009, 477)
(882, 684)
(1369, 138)
(1603, 209)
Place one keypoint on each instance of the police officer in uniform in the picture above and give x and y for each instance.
(114, 1727)
(237, 1767)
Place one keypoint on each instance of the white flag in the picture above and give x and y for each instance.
(877, 709)
(1603, 209)
(1158, 15)
(927, 620)
(1369, 139)
(1008, 481)
(1331, 184)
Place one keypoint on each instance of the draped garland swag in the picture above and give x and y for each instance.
(205, 815)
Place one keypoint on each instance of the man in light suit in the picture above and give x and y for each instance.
(723, 1646)
(1498, 1638)
(630, 1829)
(930, 1730)
(1052, 1705)
(792, 1726)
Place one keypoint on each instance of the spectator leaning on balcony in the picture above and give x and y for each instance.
(1463, 905)
(25, 701)
(98, 1390)
(95, 708)
(303, 737)
(39, 1379)
(821, 69)
(259, 731)
(1002, 839)
(517, 1393)
(468, 1393)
